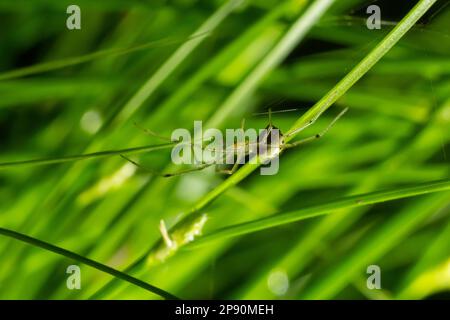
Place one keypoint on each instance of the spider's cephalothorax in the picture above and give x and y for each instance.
(270, 143)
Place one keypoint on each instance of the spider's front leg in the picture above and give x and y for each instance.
(316, 136)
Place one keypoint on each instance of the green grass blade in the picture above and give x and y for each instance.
(367, 63)
(306, 213)
(100, 154)
(68, 62)
(99, 266)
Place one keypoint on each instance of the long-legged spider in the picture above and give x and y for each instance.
(269, 144)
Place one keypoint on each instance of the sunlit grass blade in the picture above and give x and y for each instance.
(306, 213)
(99, 266)
(367, 63)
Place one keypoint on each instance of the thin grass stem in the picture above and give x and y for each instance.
(87, 156)
(94, 264)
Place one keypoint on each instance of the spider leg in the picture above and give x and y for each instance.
(310, 122)
(235, 166)
(155, 172)
(316, 136)
(152, 133)
(198, 168)
(240, 155)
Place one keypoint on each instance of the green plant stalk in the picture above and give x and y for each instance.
(367, 63)
(64, 63)
(345, 84)
(97, 265)
(314, 211)
(100, 154)
(322, 105)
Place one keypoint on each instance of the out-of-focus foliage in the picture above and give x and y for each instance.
(395, 133)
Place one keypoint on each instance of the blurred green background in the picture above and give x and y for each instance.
(395, 133)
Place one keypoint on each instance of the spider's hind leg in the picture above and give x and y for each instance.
(230, 171)
(166, 175)
(198, 168)
(240, 158)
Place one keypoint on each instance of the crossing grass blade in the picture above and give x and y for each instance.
(87, 156)
(67, 62)
(99, 266)
(315, 211)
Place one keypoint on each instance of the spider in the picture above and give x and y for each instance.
(267, 146)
